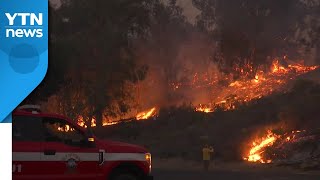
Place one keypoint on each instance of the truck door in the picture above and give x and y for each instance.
(26, 147)
(67, 153)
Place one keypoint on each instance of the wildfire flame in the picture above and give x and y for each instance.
(146, 114)
(246, 89)
(203, 108)
(82, 122)
(110, 123)
(258, 147)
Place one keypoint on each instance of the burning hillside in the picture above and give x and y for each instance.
(225, 91)
(208, 91)
(245, 89)
(264, 131)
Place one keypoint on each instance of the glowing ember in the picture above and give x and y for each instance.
(258, 147)
(277, 68)
(146, 114)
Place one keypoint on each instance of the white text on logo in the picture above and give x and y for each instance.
(24, 25)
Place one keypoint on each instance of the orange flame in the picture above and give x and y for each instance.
(82, 122)
(258, 147)
(204, 109)
(110, 123)
(146, 114)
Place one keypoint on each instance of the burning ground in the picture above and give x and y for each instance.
(279, 128)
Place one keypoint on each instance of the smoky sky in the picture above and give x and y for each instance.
(188, 9)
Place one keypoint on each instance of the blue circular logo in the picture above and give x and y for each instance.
(24, 58)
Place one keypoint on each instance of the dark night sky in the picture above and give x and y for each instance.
(189, 11)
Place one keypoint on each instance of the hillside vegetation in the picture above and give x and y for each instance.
(181, 132)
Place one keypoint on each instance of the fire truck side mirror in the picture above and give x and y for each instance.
(90, 138)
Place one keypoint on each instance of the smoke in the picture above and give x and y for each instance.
(178, 73)
(188, 66)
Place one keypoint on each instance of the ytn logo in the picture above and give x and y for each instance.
(21, 25)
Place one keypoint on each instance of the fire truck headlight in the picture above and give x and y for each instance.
(148, 159)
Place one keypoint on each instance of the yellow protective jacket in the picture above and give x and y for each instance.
(206, 153)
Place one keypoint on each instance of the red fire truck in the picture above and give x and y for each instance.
(48, 146)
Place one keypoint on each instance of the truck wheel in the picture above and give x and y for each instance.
(125, 177)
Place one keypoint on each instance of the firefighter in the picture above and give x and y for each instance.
(207, 151)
